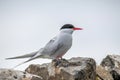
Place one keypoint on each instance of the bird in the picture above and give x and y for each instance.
(55, 48)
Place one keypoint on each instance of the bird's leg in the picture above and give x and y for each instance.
(57, 61)
(61, 58)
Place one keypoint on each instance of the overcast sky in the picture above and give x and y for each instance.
(27, 25)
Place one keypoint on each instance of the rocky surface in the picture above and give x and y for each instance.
(73, 69)
(103, 74)
(112, 64)
(10, 74)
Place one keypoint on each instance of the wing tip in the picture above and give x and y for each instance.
(10, 58)
(7, 58)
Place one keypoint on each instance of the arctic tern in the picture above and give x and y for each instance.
(55, 48)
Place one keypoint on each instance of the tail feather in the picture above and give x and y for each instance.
(24, 56)
(34, 57)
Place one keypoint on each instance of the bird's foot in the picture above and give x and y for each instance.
(60, 62)
(56, 62)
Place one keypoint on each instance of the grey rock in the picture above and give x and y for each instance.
(103, 74)
(10, 74)
(112, 64)
(72, 69)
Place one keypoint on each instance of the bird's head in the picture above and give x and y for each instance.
(69, 28)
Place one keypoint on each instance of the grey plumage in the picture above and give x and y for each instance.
(55, 48)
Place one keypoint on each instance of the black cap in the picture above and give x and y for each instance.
(67, 26)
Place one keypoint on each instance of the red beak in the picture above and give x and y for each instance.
(77, 28)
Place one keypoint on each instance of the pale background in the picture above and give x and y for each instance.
(27, 25)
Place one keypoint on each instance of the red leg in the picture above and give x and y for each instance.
(59, 56)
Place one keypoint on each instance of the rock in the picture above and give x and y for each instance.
(10, 74)
(112, 64)
(103, 74)
(72, 69)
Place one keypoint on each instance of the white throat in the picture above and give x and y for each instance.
(69, 31)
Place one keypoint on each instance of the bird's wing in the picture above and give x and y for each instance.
(52, 46)
(56, 48)
(51, 42)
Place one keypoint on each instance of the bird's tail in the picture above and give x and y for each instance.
(32, 58)
(24, 56)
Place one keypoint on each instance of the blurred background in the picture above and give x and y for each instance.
(27, 25)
